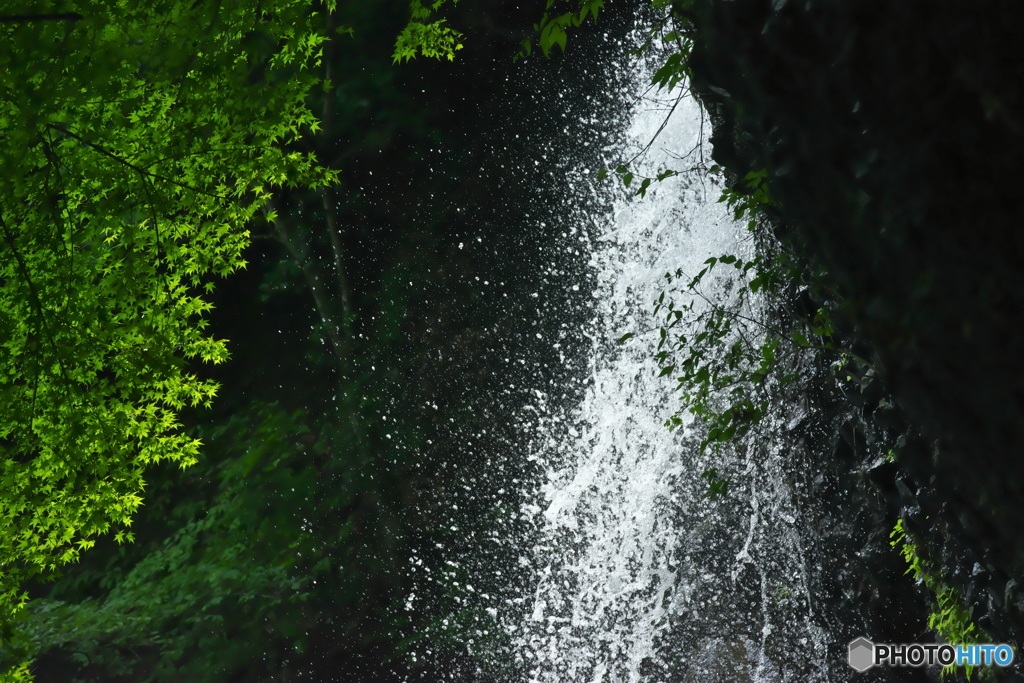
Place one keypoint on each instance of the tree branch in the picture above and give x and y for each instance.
(129, 164)
(338, 250)
(313, 281)
(36, 302)
(25, 18)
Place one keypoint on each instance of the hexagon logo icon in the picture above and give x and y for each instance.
(862, 654)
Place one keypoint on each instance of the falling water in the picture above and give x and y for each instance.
(617, 564)
(639, 575)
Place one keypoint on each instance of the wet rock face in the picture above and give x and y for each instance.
(721, 661)
(893, 134)
(853, 498)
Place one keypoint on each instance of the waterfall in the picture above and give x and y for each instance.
(638, 574)
(613, 563)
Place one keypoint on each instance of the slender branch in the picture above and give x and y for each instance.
(36, 301)
(664, 123)
(313, 280)
(338, 250)
(129, 164)
(327, 118)
(783, 335)
(148, 189)
(25, 18)
(9, 237)
(340, 335)
(198, 153)
(51, 156)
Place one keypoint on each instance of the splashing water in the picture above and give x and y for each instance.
(600, 557)
(638, 574)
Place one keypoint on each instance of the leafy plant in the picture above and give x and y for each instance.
(551, 28)
(751, 201)
(717, 486)
(427, 38)
(950, 618)
(728, 356)
(193, 604)
(667, 27)
(725, 354)
(140, 138)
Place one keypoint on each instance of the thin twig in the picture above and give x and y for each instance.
(312, 280)
(24, 18)
(36, 301)
(129, 164)
(766, 326)
(338, 250)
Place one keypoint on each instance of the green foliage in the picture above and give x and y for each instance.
(724, 355)
(717, 486)
(727, 356)
(427, 38)
(750, 202)
(194, 604)
(627, 177)
(138, 143)
(720, 379)
(950, 618)
(551, 29)
(669, 34)
(667, 40)
(730, 355)
(667, 29)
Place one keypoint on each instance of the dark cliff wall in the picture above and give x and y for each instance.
(893, 134)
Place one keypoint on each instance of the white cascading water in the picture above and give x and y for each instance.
(638, 574)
